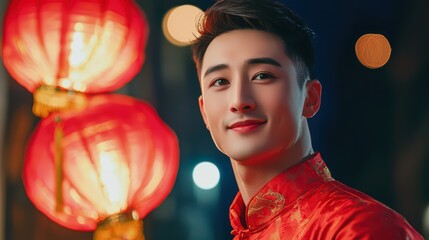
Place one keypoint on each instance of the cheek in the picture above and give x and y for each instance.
(284, 109)
(214, 122)
(275, 100)
(290, 97)
(213, 110)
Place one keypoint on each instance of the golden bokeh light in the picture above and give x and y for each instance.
(180, 24)
(373, 50)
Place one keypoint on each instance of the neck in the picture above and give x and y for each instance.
(251, 178)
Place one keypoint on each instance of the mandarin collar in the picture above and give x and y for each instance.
(278, 193)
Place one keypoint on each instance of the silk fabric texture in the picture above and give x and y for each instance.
(305, 202)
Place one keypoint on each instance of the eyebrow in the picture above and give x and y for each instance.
(215, 68)
(252, 61)
(268, 61)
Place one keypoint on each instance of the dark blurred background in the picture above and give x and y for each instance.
(372, 129)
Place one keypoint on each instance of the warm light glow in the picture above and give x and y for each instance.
(77, 53)
(115, 178)
(373, 50)
(180, 24)
(117, 155)
(206, 175)
(46, 42)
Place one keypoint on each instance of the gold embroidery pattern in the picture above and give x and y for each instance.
(322, 170)
(271, 200)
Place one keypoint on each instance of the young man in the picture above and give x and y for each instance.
(254, 60)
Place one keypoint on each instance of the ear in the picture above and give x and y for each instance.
(313, 98)
(203, 113)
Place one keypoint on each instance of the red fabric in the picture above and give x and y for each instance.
(305, 202)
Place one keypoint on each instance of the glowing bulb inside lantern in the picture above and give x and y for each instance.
(77, 55)
(81, 45)
(114, 176)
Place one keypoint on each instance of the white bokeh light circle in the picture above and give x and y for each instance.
(206, 175)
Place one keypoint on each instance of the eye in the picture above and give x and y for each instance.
(261, 76)
(219, 82)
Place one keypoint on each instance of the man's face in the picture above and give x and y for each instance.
(251, 101)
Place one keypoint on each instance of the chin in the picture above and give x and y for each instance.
(248, 157)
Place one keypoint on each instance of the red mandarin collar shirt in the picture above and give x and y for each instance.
(305, 202)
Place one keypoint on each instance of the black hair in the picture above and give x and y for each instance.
(265, 15)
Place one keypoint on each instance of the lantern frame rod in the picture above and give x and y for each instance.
(64, 50)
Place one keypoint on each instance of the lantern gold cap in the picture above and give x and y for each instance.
(121, 226)
(48, 99)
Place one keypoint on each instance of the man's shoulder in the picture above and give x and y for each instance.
(338, 197)
(339, 192)
(350, 212)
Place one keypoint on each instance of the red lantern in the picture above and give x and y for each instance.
(81, 45)
(118, 157)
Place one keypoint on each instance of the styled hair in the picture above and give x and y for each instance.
(265, 15)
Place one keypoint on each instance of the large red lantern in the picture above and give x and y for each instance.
(80, 45)
(114, 159)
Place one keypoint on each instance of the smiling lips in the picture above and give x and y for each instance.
(246, 126)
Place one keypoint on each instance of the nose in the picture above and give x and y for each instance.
(242, 99)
